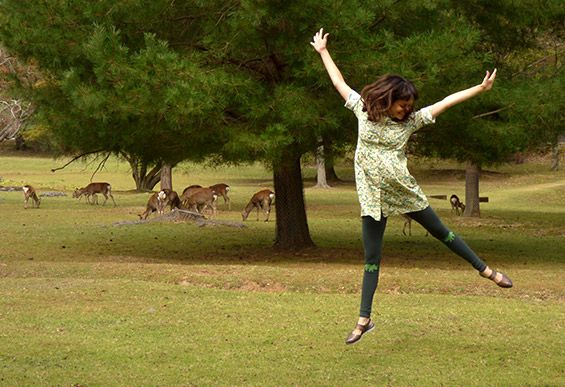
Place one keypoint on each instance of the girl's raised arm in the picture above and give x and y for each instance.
(319, 43)
(460, 96)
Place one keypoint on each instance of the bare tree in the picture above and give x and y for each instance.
(13, 114)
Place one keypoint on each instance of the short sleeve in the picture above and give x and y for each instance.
(422, 118)
(354, 102)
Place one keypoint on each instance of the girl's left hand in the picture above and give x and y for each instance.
(489, 80)
(320, 40)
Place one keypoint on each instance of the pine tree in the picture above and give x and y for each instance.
(166, 81)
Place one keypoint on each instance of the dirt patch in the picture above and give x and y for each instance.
(252, 286)
(246, 285)
(182, 216)
(487, 222)
(455, 174)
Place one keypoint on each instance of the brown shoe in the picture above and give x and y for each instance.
(353, 338)
(503, 282)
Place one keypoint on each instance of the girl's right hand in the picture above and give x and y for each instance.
(488, 81)
(320, 41)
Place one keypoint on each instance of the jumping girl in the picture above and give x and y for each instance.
(385, 187)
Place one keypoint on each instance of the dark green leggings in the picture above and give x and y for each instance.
(373, 232)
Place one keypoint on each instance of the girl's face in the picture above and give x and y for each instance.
(401, 108)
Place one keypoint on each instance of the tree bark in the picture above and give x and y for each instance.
(292, 231)
(556, 152)
(144, 181)
(321, 181)
(167, 177)
(472, 175)
(331, 176)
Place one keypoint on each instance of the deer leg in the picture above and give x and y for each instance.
(408, 224)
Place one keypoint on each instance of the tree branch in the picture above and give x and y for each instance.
(100, 165)
(75, 159)
(490, 113)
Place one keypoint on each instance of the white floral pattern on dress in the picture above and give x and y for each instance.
(383, 181)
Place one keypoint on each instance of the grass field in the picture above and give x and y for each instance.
(86, 301)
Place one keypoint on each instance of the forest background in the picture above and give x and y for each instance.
(229, 82)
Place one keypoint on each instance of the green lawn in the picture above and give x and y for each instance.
(85, 301)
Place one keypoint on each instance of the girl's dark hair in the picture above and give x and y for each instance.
(379, 96)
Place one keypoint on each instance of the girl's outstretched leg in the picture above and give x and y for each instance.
(373, 232)
(430, 221)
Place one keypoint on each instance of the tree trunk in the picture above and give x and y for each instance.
(321, 169)
(148, 181)
(331, 176)
(556, 152)
(292, 226)
(167, 177)
(144, 181)
(472, 174)
(20, 142)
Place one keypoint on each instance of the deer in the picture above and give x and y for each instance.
(158, 201)
(152, 206)
(222, 189)
(260, 200)
(92, 189)
(408, 223)
(168, 197)
(456, 204)
(29, 192)
(189, 191)
(199, 199)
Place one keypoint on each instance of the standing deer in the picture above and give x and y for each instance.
(260, 200)
(29, 192)
(408, 223)
(222, 190)
(456, 204)
(92, 189)
(198, 199)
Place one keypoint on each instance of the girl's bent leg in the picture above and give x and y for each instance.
(430, 221)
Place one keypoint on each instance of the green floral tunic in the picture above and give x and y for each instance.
(381, 175)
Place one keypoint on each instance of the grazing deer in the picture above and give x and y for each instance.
(199, 199)
(92, 189)
(456, 204)
(408, 223)
(260, 200)
(152, 206)
(158, 201)
(29, 192)
(188, 191)
(222, 190)
(168, 197)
